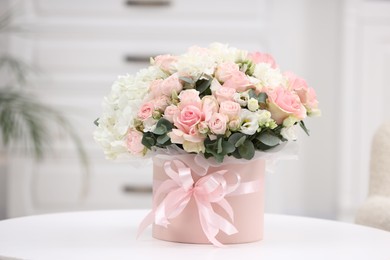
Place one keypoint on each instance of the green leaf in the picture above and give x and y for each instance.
(96, 122)
(148, 140)
(163, 126)
(228, 147)
(219, 147)
(237, 139)
(203, 84)
(162, 139)
(303, 126)
(269, 139)
(262, 98)
(247, 150)
(187, 80)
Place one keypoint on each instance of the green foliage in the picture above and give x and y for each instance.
(159, 136)
(303, 126)
(203, 86)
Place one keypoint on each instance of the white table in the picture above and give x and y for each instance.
(111, 235)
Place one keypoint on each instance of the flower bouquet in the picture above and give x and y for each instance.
(206, 118)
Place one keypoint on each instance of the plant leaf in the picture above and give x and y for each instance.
(303, 126)
(237, 139)
(247, 150)
(269, 139)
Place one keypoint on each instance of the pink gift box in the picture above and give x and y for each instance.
(247, 205)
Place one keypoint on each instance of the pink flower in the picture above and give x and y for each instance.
(154, 88)
(170, 85)
(238, 81)
(231, 109)
(209, 106)
(283, 103)
(134, 143)
(188, 118)
(224, 94)
(306, 95)
(146, 111)
(170, 111)
(258, 57)
(217, 123)
(161, 102)
(165, 62)
(189, 97)
(225, 70)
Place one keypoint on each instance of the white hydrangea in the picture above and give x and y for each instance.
(268, 76)
(119, 110)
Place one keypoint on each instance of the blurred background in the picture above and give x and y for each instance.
(65, 54)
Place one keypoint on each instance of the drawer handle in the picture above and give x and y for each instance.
(137, 189)
(148, 3)
(137, 58)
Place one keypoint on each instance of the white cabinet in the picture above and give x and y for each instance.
(78, 49)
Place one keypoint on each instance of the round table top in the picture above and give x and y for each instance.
(112, 235)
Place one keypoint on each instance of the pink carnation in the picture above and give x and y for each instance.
(258, 57)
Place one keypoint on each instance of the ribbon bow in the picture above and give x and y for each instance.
(180, 188)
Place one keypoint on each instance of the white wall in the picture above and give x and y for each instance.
(305, 38)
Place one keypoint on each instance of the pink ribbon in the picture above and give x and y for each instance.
(212, 188)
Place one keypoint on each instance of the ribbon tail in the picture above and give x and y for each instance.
(147, 221)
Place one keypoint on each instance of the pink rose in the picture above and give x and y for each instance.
(161, 102)
(217, 123)
(165, 62)
(154, 88)
(306, 95)
(134, 143)
(146, 111)
(238, 81)
(225, 70)
(231, 109)
(209, 106)
(283, 103)
(188, 118)
(189, 97)
(170, 85)
(224, 94)
(170, 111)
(258, 57)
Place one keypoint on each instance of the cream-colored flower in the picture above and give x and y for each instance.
(253, 104)
(268, 76)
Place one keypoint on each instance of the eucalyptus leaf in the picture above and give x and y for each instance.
(162, 139)
(203, 84)
(237, 139)
(247, 150)
(228, 147)
(269, 139)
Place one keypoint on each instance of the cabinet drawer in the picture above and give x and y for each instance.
(150, 9)
(61, 184)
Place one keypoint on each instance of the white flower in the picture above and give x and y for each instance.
(119, 111)
(249, 122)
(253, 104)
(268, 76)
(289, 133)
(223, 53)
(196, 62)
(241, 98)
